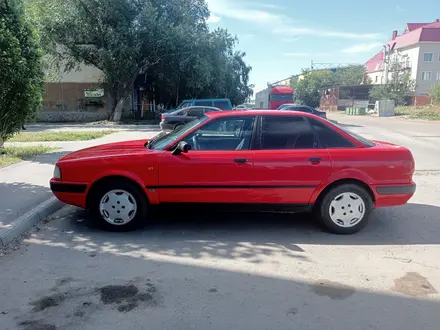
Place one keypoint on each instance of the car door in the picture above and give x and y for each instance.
(290, 163)
(196, 112)
(217, 169)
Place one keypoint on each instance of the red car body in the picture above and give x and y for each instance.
(280, 177)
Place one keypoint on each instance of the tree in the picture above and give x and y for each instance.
(307, 89)
(169, 41)
(398, 86)
(435, 93)
(21, 74)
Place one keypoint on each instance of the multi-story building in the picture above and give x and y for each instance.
(416, 50)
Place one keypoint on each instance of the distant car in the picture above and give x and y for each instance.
(302, 108)
(222, 104)
(178, 118)
(255, 158)
(241, 107)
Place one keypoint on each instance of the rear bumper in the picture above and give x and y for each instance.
(394, 195)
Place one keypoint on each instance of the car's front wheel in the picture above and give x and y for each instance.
(119, 205)
(345, 209)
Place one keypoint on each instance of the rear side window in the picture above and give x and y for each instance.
(196, 112)
(286, 132)
(329, 137)
(203, 103)
(210, 110)
(223, 105)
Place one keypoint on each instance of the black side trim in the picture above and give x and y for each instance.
(396, 190)
(230, 187)
(68, 187)
(291, 208)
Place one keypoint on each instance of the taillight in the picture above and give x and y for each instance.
(162, 117)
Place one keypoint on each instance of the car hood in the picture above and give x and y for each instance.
(109, 150)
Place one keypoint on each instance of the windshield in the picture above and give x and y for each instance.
(162, 141)
(281, 97)
(184, 105)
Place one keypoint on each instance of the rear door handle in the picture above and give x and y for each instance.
(315, 160)
(240, 160)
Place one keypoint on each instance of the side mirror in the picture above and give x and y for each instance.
(182, 147)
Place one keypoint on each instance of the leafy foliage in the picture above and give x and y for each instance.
(168, 41)
(397, 88)
(307, 89)
(21, 75)
(435, 93)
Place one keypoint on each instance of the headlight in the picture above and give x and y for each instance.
(57, 172)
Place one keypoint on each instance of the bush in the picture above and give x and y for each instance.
(435, 93)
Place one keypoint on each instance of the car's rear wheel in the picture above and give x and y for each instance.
(178, 126)
(119, 205)
(345, 209)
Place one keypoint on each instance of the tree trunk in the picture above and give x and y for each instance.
(117, 112)
(2, 146)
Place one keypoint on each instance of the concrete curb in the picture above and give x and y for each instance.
(28, 220)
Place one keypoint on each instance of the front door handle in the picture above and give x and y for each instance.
(315, 160)
(240, 160)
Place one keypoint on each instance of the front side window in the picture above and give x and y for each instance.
(232, 133)
(286, 132)
(223, 105)
(427, 57)
(329, 137)
(281, 97)
(203, 103)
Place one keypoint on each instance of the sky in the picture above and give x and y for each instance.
(280, 37)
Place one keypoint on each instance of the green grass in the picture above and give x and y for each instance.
(59, 136)
(17, 154)
(429, 112)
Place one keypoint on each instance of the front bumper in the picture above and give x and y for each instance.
(70, 193)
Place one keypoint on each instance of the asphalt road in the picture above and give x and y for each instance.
(236, 270)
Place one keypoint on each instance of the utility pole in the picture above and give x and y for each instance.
(386, 60)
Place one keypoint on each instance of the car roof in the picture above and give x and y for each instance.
(258, 113)
(199, 107)
(191, 100)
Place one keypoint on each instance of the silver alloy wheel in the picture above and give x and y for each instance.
(347, 209)
(118, 207)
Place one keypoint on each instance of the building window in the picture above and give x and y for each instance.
(427, 57)
(377, 79)
(424, 94)
(426, 75)
(438, 75)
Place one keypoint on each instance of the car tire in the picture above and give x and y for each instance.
(345, 209)
(119, 198)
(178, 126)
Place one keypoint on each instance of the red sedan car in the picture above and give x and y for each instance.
(257, 158)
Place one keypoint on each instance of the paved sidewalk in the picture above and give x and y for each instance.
(25, 185)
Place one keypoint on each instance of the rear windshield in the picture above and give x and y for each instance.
(361, 139)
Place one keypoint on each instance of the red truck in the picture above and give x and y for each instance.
(274, 96)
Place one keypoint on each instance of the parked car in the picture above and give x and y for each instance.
(302, 108)
(222, 104)
(241, 107)
(274, 158)
(178, 118)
